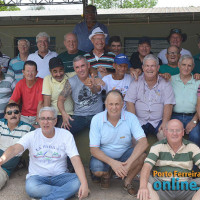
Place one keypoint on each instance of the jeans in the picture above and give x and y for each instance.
(194, 135)
(99, 166)
(62, 186)
(78, 124)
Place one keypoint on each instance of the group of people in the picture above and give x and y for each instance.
(47, 98)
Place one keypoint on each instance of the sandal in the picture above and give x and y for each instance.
(130, 189)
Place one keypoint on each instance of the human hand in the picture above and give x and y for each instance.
(135, 73)
(143, 194)
(166, 76)
(196, 76)
(83, 191)
(119, 169)
(102, 70)
(189, 127)
(66, 119)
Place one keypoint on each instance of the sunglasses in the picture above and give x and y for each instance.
(12, 111)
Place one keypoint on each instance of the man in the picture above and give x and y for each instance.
(84, 91)
(136, 60)
(43, 54)
(151, 98)
(175, 38)
(16, 64)
(101, 61)
(115, 44)
(28, 92)
(185, 89)
(119, 79)
(7, 85)
(53, 85)
(11, 130)
(115, 150)
(84, 29)
(171, 155)
(4, 60)
(48, 177)
(173, 56)
(71, 45)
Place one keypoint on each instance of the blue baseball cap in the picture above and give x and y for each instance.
(122, 59)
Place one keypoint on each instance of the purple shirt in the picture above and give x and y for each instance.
(149, 103)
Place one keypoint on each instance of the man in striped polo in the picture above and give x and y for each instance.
(11, 130)
(170, 160)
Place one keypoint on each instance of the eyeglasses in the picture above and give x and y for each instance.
(49, 119)
(174, 130)
(12, 111)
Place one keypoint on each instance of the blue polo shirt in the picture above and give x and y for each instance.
(114, 141)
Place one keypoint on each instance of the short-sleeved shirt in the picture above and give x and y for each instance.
(82, 32)
(167, 69)
(114, 141)
(7, 86)
(53, 88)
(48, 156)
(163, 159)
(15, 68)
(85, 102)
(42, 63)
(197, 64)
(162, 54)
(185, 94)
(29, 97)
(67, 60)
(149, 103)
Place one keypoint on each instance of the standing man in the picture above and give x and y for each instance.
(16, 65)
(176, 37)
(48, 177)
(28, 93)
(11, 130)
(71, 45)
(115, 150)
(84, 29)
(42, 56)
(84, 92)
(151, 98)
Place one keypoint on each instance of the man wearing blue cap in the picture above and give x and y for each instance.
(119, 79)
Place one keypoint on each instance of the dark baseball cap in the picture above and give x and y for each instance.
(55, 62)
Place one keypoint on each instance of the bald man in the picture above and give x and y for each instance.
(171, 155)
(115, 150)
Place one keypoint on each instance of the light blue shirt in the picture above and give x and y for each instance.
(185, 94)
(114, 141)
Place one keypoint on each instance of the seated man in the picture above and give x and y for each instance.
(71, 45)
(151, 98)
(175, 38)
(7, 85)
(16, 65)
(172, 155)
(185, 90)
(48, 177)
(111, 136)
(115, 45)
(119, 79)
(173, 56)
(28, 92)
(101, 61)
(53, 85)
(11, 130)
(87, 101)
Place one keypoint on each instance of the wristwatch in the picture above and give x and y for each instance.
(194, 121)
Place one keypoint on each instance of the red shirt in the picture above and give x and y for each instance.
(29, 97)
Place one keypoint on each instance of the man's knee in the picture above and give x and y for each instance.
(3, 178)
(99, 173)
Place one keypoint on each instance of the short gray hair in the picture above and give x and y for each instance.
(80, 57)
(51, 109)
(42, 34)
(151, 57)
(65, 36)
(186, 56)
(27, 42)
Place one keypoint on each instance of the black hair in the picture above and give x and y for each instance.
(30, 62)
(114, 39)
(10, 105)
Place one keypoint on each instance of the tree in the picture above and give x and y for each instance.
(40, 7)
(7, 8)
(125, 3)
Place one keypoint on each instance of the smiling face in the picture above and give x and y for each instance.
(82, 69)
(23, 47)
(186, 67)
(12, 115)
(29, 72)
(144, 49)
(98, 41)
(120, 69)
(115, 47)
(58, 73)
(150, 69)
(90, 14)
(43, 45)
(175, 39)
(173, 55)
(71, 43)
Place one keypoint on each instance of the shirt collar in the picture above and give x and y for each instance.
(105, 119)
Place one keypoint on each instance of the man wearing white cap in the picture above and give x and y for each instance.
(100, 60)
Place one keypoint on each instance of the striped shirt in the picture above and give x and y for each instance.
(7, 86)
(15, 68)
(164, 159)
(9, 138)
(4, 61)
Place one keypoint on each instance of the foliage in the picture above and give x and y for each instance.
(7, 8)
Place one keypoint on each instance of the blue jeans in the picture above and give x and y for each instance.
(194, 135)
(99, 166)
(78, 124)
(62, 186)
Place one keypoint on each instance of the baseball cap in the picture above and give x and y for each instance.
(122, 59)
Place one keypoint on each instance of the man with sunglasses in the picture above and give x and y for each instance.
(11, 130)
